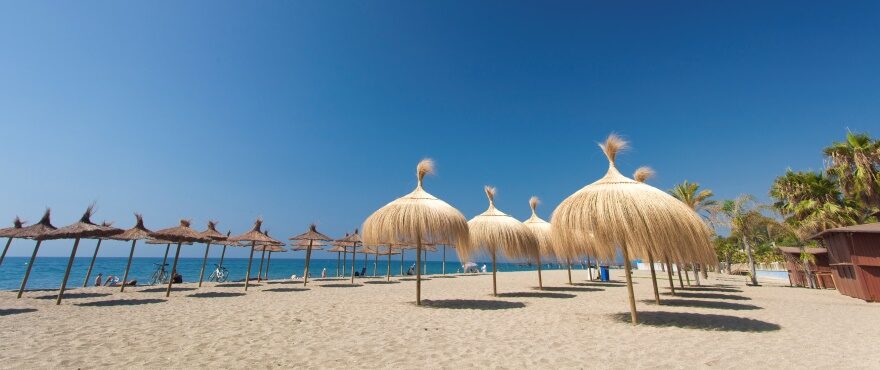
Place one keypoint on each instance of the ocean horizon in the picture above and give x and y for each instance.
(48, 272)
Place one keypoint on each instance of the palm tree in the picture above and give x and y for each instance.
(742, 215)
(811, 202)
(855, 163)
(698, 200)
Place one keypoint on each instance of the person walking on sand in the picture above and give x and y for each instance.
(324, 273)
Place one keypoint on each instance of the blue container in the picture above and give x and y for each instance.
(604, 274)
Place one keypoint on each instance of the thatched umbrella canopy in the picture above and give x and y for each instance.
(271, 248)
(9, 234)
(354, 241)
(310, 236)
(496, 231)
(137, 232)
(108, 226)
(84, 228)
(340, 244)
(415, 219)
(38, 232)
(618, 212)
(541, 230)
(212, 235)
(226, 243)
(263, 248)
(254, 235)
(180, 234)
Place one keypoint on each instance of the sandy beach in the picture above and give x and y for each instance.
(330, 324)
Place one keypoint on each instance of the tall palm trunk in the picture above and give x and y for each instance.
(752, 269)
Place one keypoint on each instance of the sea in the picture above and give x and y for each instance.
(48, 272)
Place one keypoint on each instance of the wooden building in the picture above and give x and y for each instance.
(819, 271)
(854, 257)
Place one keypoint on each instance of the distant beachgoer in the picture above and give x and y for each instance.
(98, 279)
(324, 273)
(132, 283)
(178, 279)
(111, 280)
(293, 277)
(483, 268)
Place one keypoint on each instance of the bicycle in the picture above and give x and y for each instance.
(160, 276)
(219, 275)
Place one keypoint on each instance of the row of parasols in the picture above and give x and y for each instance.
(612, 215)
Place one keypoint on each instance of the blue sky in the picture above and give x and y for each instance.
(318, 111)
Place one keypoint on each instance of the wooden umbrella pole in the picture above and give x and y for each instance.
(680, 282)
(222, 256)
(425, 262)
(401, 261)
(418, 270)
(353, 261)
(204, 262)
(344, 260)
(364, 269)
(654, 278)
(540, 280)
(127, 266)
(165, 259)
(686, 275)
(669, 273)
(173, 270)
(260, 270)
(338, 258)
(388, 273)
(92, 264)
(247, 275)
(569, 272)
(67, 272)
(629, 286)
(308, 261)
(444, 259)
(5, 249)
(268, 262)
(375, 263)
(590, 268)
(27, 272)
(494, 283)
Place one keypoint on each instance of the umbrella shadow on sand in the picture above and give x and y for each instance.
(120, 302)
(720, 305)
(472, 304)
(77, 295)
(282, 282)
(698, 321)
(159, 290)
(15, 311)
(710, 296)
(340, 285)
(604, 284)
(536, 295)
(380, 282)
(215, 295)
(286, 290)
(234, 285)
(570, 289)
(413, 279)
(708, 289)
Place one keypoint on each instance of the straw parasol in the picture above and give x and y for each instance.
(226, 243)
(109, 227)
(496, 231)
(310, 236)
(167, 248)
(541, 230)
(211, 234)
(354, 241)
(9, 234)
(271, 248)
(137, 232)
(181, 234)
(84, 228)
(340, 250)
(263, 248)
(417, 218)
(254, 236)
(37, 232)
(618, 212)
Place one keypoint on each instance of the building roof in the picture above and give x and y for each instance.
(872, 228)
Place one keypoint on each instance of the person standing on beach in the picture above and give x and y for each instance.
(98, 279)
(324, 273)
